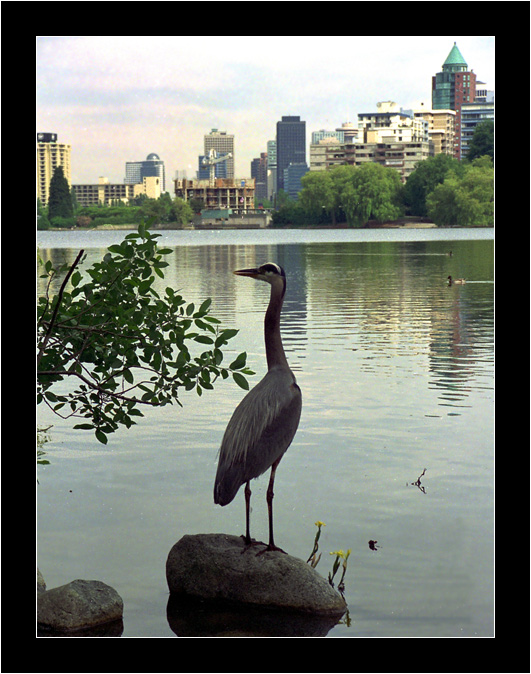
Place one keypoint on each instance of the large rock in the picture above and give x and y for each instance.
(78, 605)
(220, 567)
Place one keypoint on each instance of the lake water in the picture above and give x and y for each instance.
(396, 372)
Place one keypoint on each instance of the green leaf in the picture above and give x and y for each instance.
(239, 362)
(240, 380)
(100, 435)
(203, 339)
(144, 286)
(224, 337)
(128, 376)
(205, 306)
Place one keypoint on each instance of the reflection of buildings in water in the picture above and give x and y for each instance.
(461, 349)
(207, 271)
(377, 307)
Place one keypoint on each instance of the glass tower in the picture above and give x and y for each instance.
(291, 145)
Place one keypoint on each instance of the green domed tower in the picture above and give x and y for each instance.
(451, 88)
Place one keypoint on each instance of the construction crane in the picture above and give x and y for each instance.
(211, 160)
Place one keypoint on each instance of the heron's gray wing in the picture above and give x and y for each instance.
(259, 432)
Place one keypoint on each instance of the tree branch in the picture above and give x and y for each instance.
(56, 309)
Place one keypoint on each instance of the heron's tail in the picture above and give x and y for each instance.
(227, 484)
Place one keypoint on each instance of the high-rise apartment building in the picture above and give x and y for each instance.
(441, 129)
(50, 154)
(291, 145)
(452, 88)
(391, 123)
(136, 171)
(223, 143)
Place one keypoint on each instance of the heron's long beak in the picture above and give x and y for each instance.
(253, 273)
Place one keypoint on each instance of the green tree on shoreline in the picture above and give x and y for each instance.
(59, 200)
(482, 142)
(467, 199)
(367, 192)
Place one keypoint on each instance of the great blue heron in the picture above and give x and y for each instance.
(456, 281)
(266, 420)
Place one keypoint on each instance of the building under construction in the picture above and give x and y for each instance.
(220, 193)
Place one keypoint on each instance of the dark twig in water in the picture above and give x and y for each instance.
(418, 484)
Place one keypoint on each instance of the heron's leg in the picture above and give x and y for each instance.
(269, 498)
(247, 513)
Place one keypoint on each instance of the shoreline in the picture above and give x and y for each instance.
(170, 226)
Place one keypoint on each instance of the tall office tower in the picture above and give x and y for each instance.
(259, 173)
(136, 171)
(291, 145)
(50, 154)
(271, 169)
(223, 143)
(453, 87)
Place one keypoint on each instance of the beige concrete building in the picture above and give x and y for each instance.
(106, 193)
(326, 154)
(441, 129)
(401, 156)
(237, 195)
(50, 154)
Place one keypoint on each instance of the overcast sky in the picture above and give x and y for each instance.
(117, 99)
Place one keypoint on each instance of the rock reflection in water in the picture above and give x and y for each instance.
(198, 618)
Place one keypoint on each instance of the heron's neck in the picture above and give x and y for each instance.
(273, 342)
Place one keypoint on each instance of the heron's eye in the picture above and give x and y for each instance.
(271, 268)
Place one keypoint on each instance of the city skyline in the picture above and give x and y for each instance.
(117, 99)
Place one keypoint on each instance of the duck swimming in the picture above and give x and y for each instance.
(456, 281)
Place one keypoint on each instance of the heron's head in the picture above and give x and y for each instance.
(270, 272)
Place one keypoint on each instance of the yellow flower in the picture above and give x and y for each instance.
(339, 553)
(320, 524)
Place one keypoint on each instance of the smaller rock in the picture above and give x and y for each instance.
(78, 605)
(219, 567)
(41, 585)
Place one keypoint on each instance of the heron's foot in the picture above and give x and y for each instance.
(249, 543)
(271, 548)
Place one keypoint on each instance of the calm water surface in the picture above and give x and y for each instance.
(396, 371)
